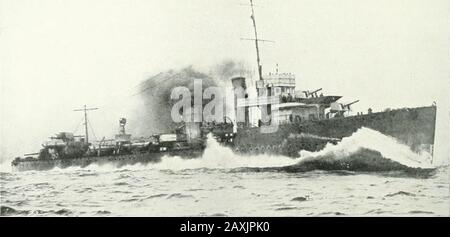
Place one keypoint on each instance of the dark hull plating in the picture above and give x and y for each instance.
(116, 160)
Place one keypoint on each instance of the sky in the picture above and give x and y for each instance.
(57, 55)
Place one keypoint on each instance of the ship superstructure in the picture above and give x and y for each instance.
(308, 120)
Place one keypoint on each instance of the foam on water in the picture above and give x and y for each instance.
(217, 156)
(366, 138)
(220, 157)
(5, 166)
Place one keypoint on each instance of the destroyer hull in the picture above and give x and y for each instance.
(414, 127)
(115, 160)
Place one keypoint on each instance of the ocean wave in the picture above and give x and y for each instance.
(9, 211)
(371, 140)
(179, 195)
(103, 212)
(364, 151)
(400, 193)
(300, 199)
(156, 196)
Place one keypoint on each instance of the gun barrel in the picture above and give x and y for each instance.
(316, 91)
(354, 102)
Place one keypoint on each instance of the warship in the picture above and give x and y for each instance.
(303, 120)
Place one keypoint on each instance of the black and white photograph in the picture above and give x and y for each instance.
(225, 108)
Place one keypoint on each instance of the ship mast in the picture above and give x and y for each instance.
(257, 40)
(258, 59)
(85, 109)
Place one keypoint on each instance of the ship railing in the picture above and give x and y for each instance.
(252, 102)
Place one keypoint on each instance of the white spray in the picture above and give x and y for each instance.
(370, 139)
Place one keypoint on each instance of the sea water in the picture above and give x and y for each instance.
(222, 183)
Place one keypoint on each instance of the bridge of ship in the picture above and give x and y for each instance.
(276, 94)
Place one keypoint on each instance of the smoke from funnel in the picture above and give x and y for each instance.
(153, 114)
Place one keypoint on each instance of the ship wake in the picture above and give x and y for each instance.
(364, 151)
